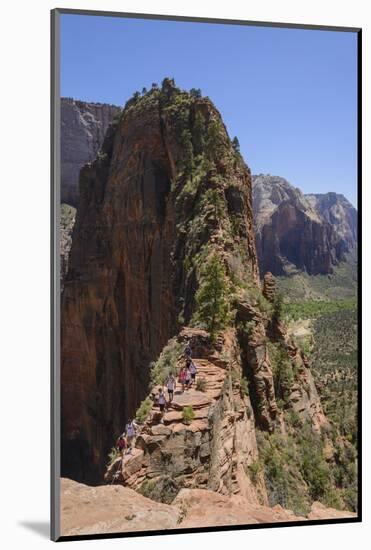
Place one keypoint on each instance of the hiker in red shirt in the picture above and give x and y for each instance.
(182, 377)
(121, 445)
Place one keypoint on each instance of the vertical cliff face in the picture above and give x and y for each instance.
(143, 228)
(340, 213)
(290, 232)
(83, 126)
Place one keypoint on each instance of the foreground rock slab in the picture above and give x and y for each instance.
(111, 509)
(89, 510)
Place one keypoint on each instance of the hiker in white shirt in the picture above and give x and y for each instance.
(170, 385)
(131, 432)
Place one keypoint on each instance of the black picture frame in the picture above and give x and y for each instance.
(55, 269)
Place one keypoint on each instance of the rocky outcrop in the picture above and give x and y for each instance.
(340, 214)
(214, 450)
(111, 509)
(116, 509)
(302, 395)
(143, 226)
(255, 357)
(290, 233)
(83, 126)
(269, 287)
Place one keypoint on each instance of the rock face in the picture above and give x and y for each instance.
(115, 509)
(83, 126)
(290, 232)
(269, 287)
(133, 269)
(341, 214)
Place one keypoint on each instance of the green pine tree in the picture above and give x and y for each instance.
(236, 144)
(212, 296)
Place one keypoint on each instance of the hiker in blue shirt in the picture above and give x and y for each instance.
(131, 432)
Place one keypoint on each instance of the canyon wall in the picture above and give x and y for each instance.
(291, 231)
(83, 126)
(340, 214)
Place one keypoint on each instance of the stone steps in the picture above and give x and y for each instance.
(199, 401)
(159, 427)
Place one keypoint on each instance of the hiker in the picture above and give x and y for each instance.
(188, 377)
(188, 350)
(193, 371)
(170, 385)
(121, 445)
(182, 377)
(131, 432)
(161, 402)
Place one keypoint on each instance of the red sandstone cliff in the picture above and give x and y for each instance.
(127, 283)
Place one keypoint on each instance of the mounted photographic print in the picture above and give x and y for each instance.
(205, 238)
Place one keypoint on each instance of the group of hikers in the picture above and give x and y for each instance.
(186, 379)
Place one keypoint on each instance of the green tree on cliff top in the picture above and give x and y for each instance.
(212, 296)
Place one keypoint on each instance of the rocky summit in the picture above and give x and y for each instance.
(294, 231)
(163, 257)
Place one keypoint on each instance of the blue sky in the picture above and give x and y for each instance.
(289, 95)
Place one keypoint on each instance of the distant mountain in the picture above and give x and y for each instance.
(83, 126)
(340, 213)
(294, 232)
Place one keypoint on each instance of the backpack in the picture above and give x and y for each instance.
(121, 443)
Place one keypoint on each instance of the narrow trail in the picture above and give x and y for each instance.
(131, 469)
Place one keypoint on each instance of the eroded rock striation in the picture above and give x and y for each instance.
(291, 233)
(83, 126)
